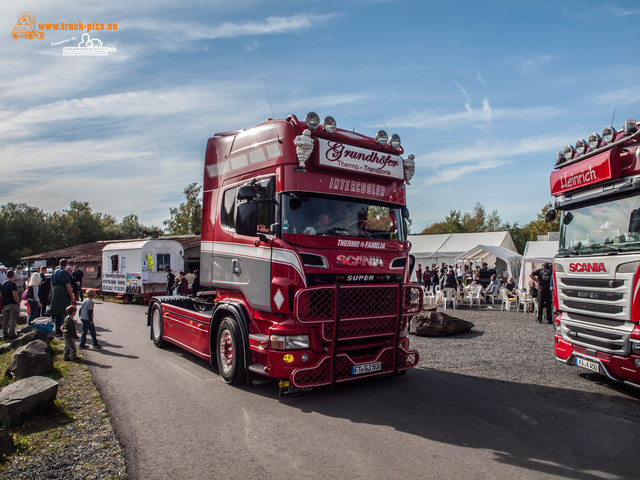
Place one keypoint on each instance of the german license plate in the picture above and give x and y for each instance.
(366, 368)
(588, 364)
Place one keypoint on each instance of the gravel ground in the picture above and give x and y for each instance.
(515, 348)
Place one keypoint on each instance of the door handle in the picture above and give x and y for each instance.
(235, 265)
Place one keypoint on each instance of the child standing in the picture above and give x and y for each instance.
(69, 334)
(86, 317)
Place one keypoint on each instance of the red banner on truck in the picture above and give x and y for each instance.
(585, 173)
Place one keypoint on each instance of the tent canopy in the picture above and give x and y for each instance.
(536, 253)
(446, 247)
(512, 259)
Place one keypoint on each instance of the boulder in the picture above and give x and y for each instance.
(29, 360)
(31, 334)
(438, 324)
(7, 447)
(26, 397)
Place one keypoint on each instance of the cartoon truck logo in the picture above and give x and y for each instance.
(26, 27)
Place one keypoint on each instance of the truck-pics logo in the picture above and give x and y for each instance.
(587, 267)
(26, 27)
(359, 261)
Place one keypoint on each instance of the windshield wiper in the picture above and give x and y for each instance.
(568, 251)
(608, 247)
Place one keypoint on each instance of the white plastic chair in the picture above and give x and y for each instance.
(524, 300)
(475, 295)
(506, 301)
(449, 296)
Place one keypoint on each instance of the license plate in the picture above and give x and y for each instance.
(366, 368)
(593, 366)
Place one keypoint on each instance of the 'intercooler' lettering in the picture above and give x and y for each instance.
(354, 186)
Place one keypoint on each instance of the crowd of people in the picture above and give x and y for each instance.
(52, 296)
(440, 277)
(184, 283)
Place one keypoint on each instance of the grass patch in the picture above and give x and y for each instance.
(78, 419)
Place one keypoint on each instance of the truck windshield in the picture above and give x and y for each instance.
(607, 227)
(308, 214)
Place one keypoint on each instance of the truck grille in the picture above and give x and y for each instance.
(367, 319)
(592, 332)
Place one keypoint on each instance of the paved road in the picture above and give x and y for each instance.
(177, 419)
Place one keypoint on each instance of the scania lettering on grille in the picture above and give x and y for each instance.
(587, 267)
(359, 261)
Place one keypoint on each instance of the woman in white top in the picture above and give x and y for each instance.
(32, 297)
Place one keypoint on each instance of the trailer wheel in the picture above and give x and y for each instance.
(230, 351)
(156, 325)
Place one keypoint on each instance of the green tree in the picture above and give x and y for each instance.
(130, 227)
(187, 218)
(21, 231)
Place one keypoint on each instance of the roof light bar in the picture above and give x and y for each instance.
(381, 137)
(395, 140)
(630, 127)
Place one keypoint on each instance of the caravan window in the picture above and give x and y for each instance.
(163, 261)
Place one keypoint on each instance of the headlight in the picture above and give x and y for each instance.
(329, 124)
(312, 120)
(568, 152)
(289, 342)
(558, 268)
(594, 140)
(581, 147)
(395, 140)
(608, 134)
(382, 137)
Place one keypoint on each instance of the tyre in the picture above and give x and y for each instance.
(230, 351)
(156, 325)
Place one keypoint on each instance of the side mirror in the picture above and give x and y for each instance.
(405, 212)
(247, 192)
(551, 215)
(246, 217)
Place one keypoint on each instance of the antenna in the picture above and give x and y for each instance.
(271, 107)
(613, 116)
(383, 122)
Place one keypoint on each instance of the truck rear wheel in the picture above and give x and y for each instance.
(156, 325)
(230, 351)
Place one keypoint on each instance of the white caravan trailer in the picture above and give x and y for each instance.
(139, 268)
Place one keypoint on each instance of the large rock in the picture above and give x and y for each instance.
(438, 324)
(29, 360)
(26, 397)
(28, 335)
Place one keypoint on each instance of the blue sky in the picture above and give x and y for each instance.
(483, 93)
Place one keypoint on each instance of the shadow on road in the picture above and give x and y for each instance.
(566, 433)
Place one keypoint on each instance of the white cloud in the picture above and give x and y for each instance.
(624, 96)
(480, 79)
(533, 65)
(464, 92)
(189, 32)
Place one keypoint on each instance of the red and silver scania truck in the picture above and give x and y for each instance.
(304, 258)
(596, 285)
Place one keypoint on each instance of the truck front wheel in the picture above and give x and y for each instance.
(230, 351)
(156, 325)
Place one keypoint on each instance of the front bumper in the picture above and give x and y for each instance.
(615, 367)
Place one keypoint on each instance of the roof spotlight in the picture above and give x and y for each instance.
(630, 127)
(312, 120)
(594, 140)
(329, 124)
(568, 152)
(382, 137)
(581, 147)
(560, 158)
(395, 140)
(608, 134)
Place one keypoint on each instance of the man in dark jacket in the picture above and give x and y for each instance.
(542, 277)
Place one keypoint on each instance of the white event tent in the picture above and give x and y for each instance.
(492, 254)
(535, 254)
(447, 247)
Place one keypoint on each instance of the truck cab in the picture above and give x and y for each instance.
(304, 256)
(596, 271)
